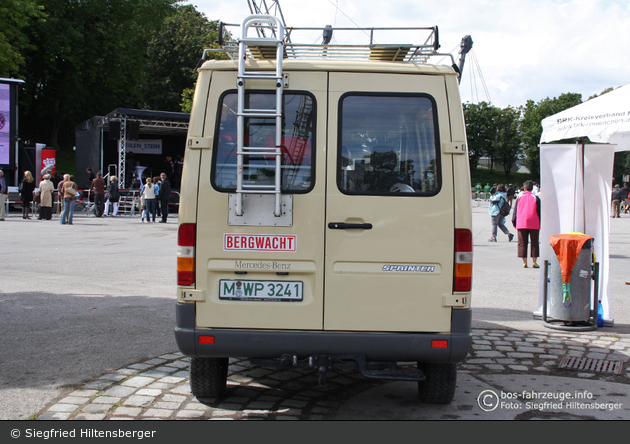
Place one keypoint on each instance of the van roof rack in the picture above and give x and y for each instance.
(367, 44)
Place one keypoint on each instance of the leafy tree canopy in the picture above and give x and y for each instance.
(174, 51)
(88, 58)
(15, 17)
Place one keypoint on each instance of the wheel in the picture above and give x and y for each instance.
(439, 385)
(208, 377)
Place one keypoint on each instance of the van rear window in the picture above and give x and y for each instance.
(297, 142)
(388, 145)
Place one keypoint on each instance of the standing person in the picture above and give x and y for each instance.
(625, 191)
(60, 191)
(164, 195)
(3, 195)
(177, 171)
(149, 199)
(497, 200)
(511, 194)
(46, 189)
(526, 220)
(113, 196)
(90, 178)
(486, 190)
(478, 189)
(98, 188)
(55, 179)
(616, 201)
(156, 184)
(69, 192)
(26, 193)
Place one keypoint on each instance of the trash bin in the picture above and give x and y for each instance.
(569, 302)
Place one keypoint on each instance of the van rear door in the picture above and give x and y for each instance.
(262, 271)
(389, 204)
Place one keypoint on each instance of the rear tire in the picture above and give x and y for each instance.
(208, 377)
(440, 383)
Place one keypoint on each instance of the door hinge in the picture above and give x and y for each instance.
(455, 300)
(192, 295)
(454, 147)
(200, 142)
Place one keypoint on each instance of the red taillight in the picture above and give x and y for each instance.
(439, 344)
(186, 255)
(462, 270)
(206, 339)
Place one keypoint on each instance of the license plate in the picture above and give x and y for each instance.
(242, 290)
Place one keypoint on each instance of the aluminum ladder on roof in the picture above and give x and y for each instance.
(258, 21)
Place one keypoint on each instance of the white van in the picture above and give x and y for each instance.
(325, 215)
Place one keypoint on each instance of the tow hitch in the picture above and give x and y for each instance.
(325, 363)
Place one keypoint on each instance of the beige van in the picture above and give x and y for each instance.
(325, 217)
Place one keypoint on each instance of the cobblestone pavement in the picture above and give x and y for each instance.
(159, 388)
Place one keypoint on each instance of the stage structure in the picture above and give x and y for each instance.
(109, 143)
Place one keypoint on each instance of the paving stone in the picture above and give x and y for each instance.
(98, 408)
(178, 364)
(99, 384)
(189, 414)
(53, 416)
(139, 401)
(489, 354)
(63, 408)
(90, 416)
(106, 400)
(520, 368)
(84, 393)
(127, 411)
(140, 366)
(128, 371)
(157, 413)
(155, 361)
(74, 400)
(114, 377)
(120, 391)
(172, 379)
(138, 381)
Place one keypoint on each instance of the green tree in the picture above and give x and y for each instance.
(480, 132)
(531, 124)
(15, 17)
(88, 58)
(507, 145)
(174, 51)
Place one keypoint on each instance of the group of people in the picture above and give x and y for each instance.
(620, 201)
(525, 208)
(155, 195)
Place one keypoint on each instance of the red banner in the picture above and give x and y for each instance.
(49, 159)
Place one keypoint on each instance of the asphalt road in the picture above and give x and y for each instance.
(79, 301)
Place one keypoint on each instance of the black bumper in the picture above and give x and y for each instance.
(399, 347)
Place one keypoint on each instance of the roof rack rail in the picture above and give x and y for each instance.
(364, 44)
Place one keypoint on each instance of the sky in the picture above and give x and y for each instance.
(522, 50)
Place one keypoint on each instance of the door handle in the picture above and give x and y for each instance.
(344, 226)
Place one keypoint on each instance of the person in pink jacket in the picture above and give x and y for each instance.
(526, 220)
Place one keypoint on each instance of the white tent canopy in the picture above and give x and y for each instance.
(576, 180)
(604, 119)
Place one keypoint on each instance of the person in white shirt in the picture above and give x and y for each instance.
(150, 200)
